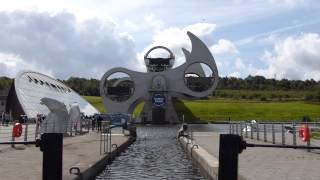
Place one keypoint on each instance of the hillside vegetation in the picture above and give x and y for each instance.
(221, 109)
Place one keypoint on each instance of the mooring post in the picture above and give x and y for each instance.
(230, 147)
(52, 148)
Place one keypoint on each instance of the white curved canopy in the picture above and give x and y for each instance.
(31, 87)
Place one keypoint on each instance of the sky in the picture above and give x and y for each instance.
(85, 38)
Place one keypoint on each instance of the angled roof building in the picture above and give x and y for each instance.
(29, 87)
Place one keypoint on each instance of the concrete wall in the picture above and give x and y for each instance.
(207, 163)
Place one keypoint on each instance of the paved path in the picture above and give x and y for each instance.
(25, 162)
(268, 163)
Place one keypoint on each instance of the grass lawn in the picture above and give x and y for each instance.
(96, 101)
(218, 110)
(222, 109)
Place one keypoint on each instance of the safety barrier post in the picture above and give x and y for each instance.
(37, 130)
(265, 132)
(52, 148)
(26, 132)
(13, 139)
(237, 132)
(81, 124)
(294, 137)
(246, 126)
(251, 132)
(309, 144)
(273, 134)
(282, 134)
(258, 136)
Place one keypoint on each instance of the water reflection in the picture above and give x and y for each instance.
(155, 155)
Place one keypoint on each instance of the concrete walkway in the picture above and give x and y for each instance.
(268, 163)
(25, 162)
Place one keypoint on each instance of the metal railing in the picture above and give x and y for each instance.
(284, 133)
(32, 130)
(105, 137)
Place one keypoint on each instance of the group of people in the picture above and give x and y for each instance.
(96, 122)
(5, 119)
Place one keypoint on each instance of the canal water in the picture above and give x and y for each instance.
(156, 154)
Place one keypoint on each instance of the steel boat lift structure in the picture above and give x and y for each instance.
(161, 83)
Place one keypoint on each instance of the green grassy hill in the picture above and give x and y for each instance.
(222, 109)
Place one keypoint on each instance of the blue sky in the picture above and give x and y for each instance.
(273, 38)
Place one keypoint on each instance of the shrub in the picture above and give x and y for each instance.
(308, 97)
(263, 98)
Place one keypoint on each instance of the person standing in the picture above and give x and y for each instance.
(93, 123)
(99, 122)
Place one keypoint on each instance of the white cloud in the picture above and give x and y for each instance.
(153, 22)
(224, 46)
(239, 64)
(296, 57)
(176, 38)
(11, 64)
(289, 3)
(61, 45)
(235, 74)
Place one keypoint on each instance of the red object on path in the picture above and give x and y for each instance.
(304, 133)
(17, 130)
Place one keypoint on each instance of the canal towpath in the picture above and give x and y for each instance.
(267, 163)
(25, 162)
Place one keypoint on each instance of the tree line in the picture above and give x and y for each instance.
(90, 87)
(262, 83)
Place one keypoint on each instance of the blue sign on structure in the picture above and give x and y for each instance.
(158, 100)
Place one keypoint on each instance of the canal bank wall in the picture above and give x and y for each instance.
(89, 171)
(207, 163)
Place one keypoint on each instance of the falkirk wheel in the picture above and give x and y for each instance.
(196, 78)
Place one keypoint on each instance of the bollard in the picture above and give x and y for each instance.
(230, 147)
(52, 148)
(241, 133)
(26, 132)
(294, 137)
(273, 134)
(265, 132)
(282, 134)
(258, 135)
